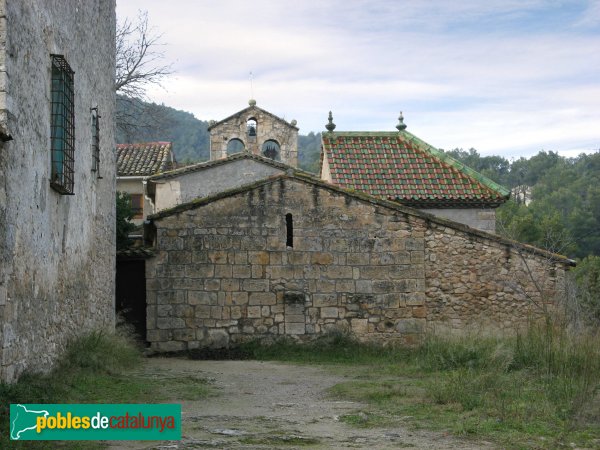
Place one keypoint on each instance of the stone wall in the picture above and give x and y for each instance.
(491, 285)
(57, 252)
(4, 100)
(225, 272)
(269, 127)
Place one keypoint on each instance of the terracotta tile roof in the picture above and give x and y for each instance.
(398, 166)
(144, 159)
(136, 253)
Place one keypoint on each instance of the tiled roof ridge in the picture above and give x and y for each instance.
(249, 108)
(212, 163)
(361, 196)
(139, 144)
(144, 158)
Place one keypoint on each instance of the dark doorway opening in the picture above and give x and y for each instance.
(131, 294)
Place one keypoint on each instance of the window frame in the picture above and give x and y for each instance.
(95, 118)
(62, 126)
(137, 211)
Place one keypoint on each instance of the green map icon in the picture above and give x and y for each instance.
(23, 419)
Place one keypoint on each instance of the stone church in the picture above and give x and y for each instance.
(247, 246)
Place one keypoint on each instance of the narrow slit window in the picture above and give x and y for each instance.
(95, 141)
(289, 226)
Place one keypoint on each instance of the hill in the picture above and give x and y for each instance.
(145, 122)
(555, 200)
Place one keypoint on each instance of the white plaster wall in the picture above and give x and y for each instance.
(209, 181)
(135, 186)
(57, 252)
(483, 219)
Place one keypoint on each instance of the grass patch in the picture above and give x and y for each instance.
(95, 368)
(279, 440)
(537, 390)
(364, 420)
(332, 348)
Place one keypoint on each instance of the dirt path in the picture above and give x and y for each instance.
(265, 405)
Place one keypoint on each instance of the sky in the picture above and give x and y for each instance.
(506, 77)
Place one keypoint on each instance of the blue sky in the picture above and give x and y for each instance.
(508, 77)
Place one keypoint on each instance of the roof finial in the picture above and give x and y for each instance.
(401, 125)
(252, 102)
(330, 125)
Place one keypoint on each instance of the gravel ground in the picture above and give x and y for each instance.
(265, 405)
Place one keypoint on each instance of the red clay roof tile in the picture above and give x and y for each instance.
(400, 167)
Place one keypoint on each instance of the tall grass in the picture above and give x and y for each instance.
(543, 382)
(548, 365)
(87, 359)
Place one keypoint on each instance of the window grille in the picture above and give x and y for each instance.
(95, 141)
(62, 124)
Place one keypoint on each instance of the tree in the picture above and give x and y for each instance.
(124, 215)
(587, 276)
(139, 64)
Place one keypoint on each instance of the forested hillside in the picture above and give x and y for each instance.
(555, 203)
(145, 122)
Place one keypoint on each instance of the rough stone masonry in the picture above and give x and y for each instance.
(57, 252)
(294, 256)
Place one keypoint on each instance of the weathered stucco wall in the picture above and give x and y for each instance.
(208, 181)
(269, 127)
(224, 271)
(57, 252)
(3, 76)
(135, 185)
(483, 219)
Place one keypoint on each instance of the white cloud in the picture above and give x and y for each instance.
(500, 76)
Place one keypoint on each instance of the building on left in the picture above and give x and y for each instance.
(57, 177)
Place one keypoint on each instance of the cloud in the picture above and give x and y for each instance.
(501, 76)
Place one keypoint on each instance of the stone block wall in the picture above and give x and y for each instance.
(224, 272)
(269, 127)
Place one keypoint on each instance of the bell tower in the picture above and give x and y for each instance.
(256, 131)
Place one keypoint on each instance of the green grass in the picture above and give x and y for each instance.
(537, 390)
(95, 368)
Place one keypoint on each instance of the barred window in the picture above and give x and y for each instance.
(96, 141)
(62, 124)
